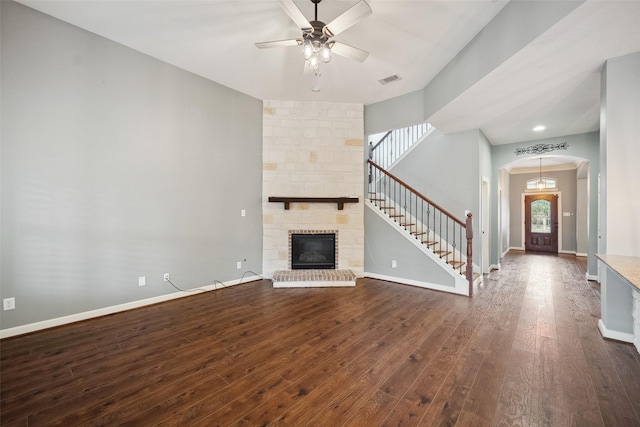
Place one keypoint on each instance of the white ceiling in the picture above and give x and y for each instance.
(552, 81)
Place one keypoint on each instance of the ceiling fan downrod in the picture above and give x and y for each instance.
(315, 2)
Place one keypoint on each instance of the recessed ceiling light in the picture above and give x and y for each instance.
(539, 128)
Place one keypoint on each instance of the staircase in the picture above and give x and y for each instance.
(447, 239)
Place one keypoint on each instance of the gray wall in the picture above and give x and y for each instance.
(449, 180)
(114, 166)
(620, 198)
(394, 113)
(567, 187)
(620, 108)
(383, 244)
(582, 211)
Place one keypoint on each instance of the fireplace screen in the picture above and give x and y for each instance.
(313, 251)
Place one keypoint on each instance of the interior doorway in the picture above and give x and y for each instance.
(541, 223)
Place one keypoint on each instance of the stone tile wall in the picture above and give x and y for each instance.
(313, 149)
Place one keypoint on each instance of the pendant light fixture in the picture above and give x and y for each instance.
(540, 182)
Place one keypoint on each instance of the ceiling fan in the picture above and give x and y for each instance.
(317, 37)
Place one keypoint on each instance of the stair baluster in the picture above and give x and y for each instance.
(395, 143)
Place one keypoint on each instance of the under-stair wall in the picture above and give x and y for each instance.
(389, 255)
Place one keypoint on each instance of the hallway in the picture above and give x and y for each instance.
(559, 371)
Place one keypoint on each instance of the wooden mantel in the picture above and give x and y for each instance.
(339, 200)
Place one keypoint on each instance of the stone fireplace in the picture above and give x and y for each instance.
(313, 150)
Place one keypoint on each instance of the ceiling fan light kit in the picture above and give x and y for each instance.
(317, 44)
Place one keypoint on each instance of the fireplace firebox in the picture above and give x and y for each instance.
(313, 251)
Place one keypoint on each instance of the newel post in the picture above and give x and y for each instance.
(469, 227)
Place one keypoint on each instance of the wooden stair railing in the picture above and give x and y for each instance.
(431, 224)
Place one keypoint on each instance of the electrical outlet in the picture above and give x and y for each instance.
(142, 280)
(9, 303)
(239, 265)
(243, 212)
(394, 264)
(166, 277)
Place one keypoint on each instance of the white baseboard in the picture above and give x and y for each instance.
(592, 277)
(516, 248)
(567, 252)
(59, 321)
(494, 267)
(614, 335)
(427, 285)
(581, 254)
(504, 254)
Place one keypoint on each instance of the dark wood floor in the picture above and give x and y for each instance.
(525, 350)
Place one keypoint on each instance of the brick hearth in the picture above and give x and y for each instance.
(313, 278)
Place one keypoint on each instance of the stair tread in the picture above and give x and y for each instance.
(419, 233)
(442, 253)
(429, 242)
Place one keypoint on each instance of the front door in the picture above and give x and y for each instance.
(541, 223)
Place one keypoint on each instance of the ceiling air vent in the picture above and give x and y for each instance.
(389, 79)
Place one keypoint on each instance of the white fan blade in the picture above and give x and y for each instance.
(349, 51)
(279, 43)
(296, 16)
(352, 16)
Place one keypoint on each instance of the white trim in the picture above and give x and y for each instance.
(614, 335)
(427, 285)
(516, 248)
(485, 220)
(581, 254)
(567, 252)
(494, 266)
(504, 254)
(592, 277)
(72, 318)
